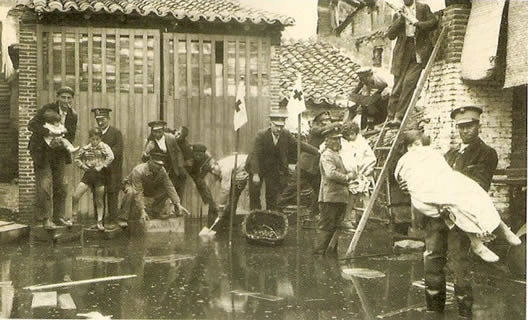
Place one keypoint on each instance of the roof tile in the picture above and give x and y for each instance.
(328, 75)
(209, 10)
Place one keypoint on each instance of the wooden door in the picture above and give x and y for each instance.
(107, 67)
(200, 78)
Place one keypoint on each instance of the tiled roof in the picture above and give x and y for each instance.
(328, 76)
(209, 10)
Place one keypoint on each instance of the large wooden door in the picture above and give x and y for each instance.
(200, 77)
(107, 67)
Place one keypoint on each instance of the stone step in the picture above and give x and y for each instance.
(60, 234)
(10, 231)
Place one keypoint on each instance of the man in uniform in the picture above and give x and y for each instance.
(50, 162)
(149, 179)
(333, 195)
(478, 161)
(309, 162)
(113, 173)
(272, 151)
(165, 143)
(410, 54)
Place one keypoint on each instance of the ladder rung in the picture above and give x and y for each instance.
(383, 148)
(378, 168)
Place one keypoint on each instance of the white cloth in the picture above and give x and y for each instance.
(433, 185)
(56, 131)
(227, 165)
(410, 30)
(357, 156)
(161, 144)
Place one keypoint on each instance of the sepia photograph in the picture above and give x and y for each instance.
(263, 159)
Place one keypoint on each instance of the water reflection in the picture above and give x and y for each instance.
(182, 277)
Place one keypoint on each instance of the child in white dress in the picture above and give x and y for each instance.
(57, 131)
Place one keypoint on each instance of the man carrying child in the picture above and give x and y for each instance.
(49, 160)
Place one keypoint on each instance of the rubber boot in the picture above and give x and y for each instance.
(323, 239)
(435, 300)
(464, 299)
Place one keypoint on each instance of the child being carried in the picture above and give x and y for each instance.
(56, 138)
(438, 191)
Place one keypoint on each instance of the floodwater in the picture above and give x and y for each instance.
(180, 276)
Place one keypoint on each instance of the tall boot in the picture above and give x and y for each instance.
(464, 299)
(435, 299)
(323, 239)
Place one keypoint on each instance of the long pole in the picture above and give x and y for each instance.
(298, 170)
(74, 283)
(232, 191)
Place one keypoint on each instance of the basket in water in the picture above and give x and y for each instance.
(265, 227)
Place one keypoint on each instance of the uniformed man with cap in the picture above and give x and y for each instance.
(49, 162)
(113, 173)
(165, 143)
(478, 161)
(149, 179)
(272, 150)
(309, 162)
(372, 96)
(333, 194)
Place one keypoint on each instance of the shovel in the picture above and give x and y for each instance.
(209, 231)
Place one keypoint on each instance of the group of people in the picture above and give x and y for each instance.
(167, 160)
(374, 98)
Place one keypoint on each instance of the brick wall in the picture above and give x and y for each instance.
(27, 109)
(445, 91)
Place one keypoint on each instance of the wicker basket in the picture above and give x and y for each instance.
(265, 227)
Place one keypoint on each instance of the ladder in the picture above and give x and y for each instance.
(382, 170)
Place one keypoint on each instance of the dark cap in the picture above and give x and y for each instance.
(158, 157)
(332, 133)
(466, 114)
(320, 114)
(157, 124)
(199, 148)
(65, 89)
(101, 112)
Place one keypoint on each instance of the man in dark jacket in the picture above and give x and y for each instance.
(165, 143)
(113, 174)
(410, 54)
(478, 161)
(369, 95)
(203, 163)
(272, 150)
(49, 162)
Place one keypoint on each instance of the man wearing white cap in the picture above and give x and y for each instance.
(273, 150)
(478, 161)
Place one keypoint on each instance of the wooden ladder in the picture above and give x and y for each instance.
(381, 171)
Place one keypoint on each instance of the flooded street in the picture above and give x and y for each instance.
(180, 276)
